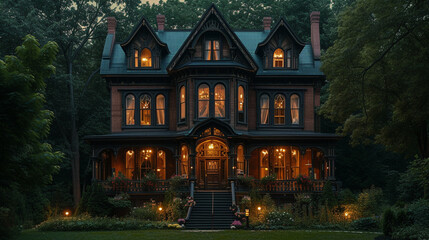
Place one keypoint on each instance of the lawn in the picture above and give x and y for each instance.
(177, 234)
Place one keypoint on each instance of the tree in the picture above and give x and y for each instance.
(27, 162)
(377, 72)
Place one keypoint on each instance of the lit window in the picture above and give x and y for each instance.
(184, 161)
(130, 165)
(294, 162)
(279, 110)
(240, 160)
(288, 59)
(219, 101)
(145, 110)
(146, 58)
(160, 165)
(241, 104)
(265, 108)
(160, 109)
(212, 50)
(264, 158)
(182, 103)
(136, 58)
(130, 108)
(146, 161)
(294, 108)
(203, 101)
(280, 162)
(278, 58)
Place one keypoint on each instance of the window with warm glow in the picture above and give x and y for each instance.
(265, 109)
(219, 101)
(212, 50)
(130, 103)
(182, 103)
(280, 162)
(130, 172)
(146, 161)
(136, 58)
(241, 104)
(146, 58)
(184, 161)
(160, 165)
(278, 58)
(295, 161)
(279, 109)
(294, 108)
(160, 109)
(203, 101)
(240, 160)
(145, 118)
(264, 158)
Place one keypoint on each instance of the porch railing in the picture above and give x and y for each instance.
(136, 186)
(289, 186)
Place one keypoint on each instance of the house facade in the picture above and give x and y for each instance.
(212, 104)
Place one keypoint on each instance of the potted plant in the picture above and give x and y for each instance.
(118, 183)
(267, 180)
(304, 182)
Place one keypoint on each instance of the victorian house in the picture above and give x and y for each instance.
(212, 104)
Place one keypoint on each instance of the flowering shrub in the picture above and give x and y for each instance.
(303, 180)
(181, 221)
(279, 218)
(176, 181)
(174, 226)
(246, 181)
(236, 224)
(268, 179)
(190, 202)
(119, 181)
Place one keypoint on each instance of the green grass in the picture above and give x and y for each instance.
(177, 234)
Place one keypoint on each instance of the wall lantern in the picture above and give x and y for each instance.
(247, 212)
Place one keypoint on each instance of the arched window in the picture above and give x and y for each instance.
(184, 162)
(203, 101)
(264, 165)
(146, 161)
(289, 58)
(219, 101)
(265, 108)
(130, 165)
(240, 160)
(278, 58)
(146, 58)
(136, 58)
(212, 50)
(294, 108)
(294, 161)
(160, 165)
(130, 104)
(182, 103)
(145, 110)
(280, 162)
(160, 109)
(241, 104)
(279, 109)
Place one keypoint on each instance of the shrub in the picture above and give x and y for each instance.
(268, 179)
(176, 182)
(279, 218)
(419, 212)
(369, 202)
(389, 221)
(147, 212)
(365, 224)
(413, 232)
(98, 204)
(246, 181)
(328, 196)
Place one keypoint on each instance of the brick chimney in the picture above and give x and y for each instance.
(315, 34)
(160, 20)
(267, 23)
(111, 25)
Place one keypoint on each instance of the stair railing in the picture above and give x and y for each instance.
(191, 193)
(233, 196)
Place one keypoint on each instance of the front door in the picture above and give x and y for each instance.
(212, 173)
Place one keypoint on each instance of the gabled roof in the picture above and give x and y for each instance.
(144, 23)
(212, 10)
(281, 23)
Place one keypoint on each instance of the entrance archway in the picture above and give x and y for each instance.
(212, 162)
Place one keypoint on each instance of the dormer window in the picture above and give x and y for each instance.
(278, 58)
(212, 50)
(146, 58)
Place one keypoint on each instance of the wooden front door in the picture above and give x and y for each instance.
(212, 173)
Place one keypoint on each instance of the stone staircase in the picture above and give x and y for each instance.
(211, 211)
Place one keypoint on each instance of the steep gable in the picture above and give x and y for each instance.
(212, 26)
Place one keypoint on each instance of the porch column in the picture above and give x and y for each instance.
(232, 165)
(331, 159)
(192, 165)
(246, 162)
(177, 158)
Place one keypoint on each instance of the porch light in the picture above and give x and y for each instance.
(211, 146)
(144, 59)
(66, 213)
(130, 152)
(264, 152)
(346, 214)
(247, 212)
(266, 169)
(158, 170)
(160, 209)
(184, 156)
(259, 208)
(294, 152)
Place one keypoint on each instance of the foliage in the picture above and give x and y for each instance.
(176, 182)
(146, 212)
(414, 183)
(279, 218)
(98, 204)
(121, 200)
(28, 162)
(388, 222)
(245, 180)
(303, 180)
(369, 202)
(377, 74)
(365, 224)
(346, 196)
(268, 179)
(85, 223)
(328, 196)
